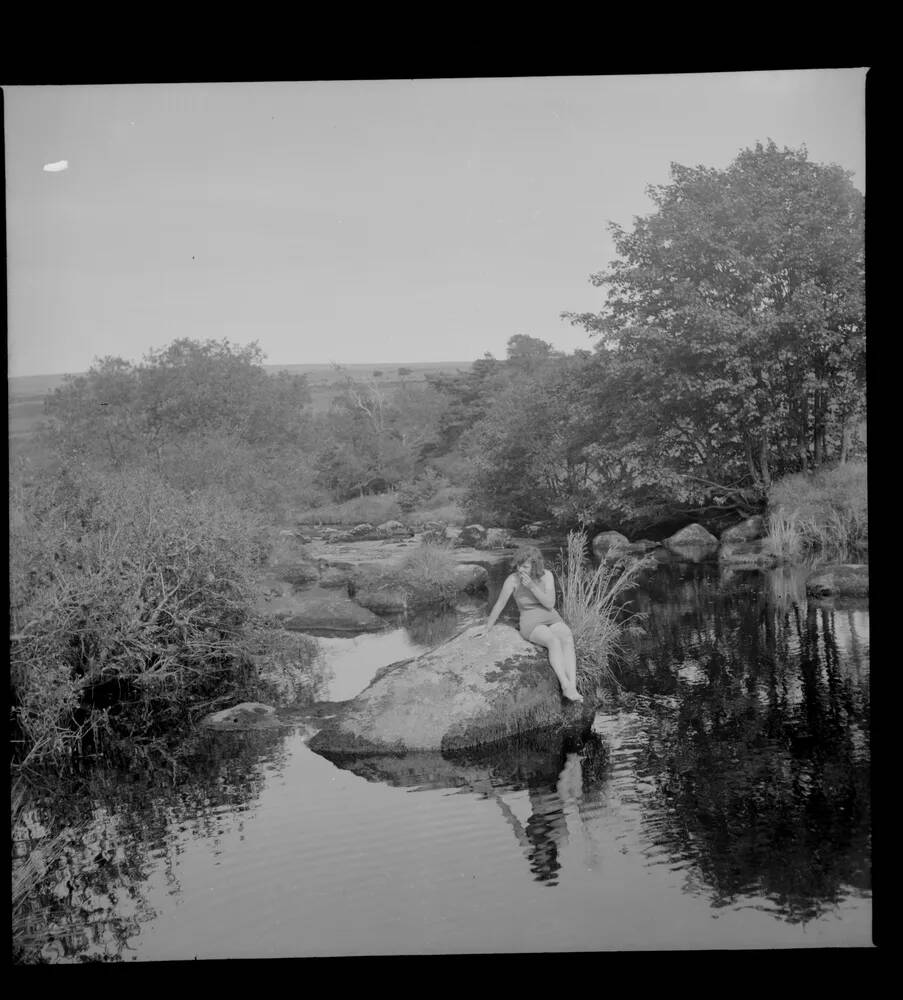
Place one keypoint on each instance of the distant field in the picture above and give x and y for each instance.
(27, 392)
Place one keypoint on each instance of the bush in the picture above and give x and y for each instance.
(426, 575)
(130, 606)
(830, 506)
(590, 606)
(417, 492)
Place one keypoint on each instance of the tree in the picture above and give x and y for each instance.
(734, 321)
(121, 411)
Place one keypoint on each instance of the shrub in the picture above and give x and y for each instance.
(418, 492)
(426, 575)
(830, 506)
(590, 606)
(130, 606)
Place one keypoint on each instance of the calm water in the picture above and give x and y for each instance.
(725, 804)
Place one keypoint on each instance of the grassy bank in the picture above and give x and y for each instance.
(131, 612)
(822, 514)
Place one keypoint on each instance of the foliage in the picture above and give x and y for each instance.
(784, 540)
(830, 506)
(374, 437)
(374, 510)
(426, 575)
(130, 607)
(591, 601)
(415, 492)
(122, 412)
(732, 342)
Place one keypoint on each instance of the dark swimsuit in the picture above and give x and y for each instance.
(532, 613)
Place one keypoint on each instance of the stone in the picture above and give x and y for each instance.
(298, 574)
(383, 600)
(841, 579)
(496, 538)
(392, 529)
(246, 715)
(467, 692)
(472, 535)
(606, 541)
(324, 609)
(694, 536)
(359, 530)
(749, 530)
(470, 577)
(333, 577)
(750, 553)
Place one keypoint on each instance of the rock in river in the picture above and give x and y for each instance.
(842, 579)
(464, 693)
(247, 715)
(321, 609)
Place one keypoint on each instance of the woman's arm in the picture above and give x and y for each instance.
(503, 598)
(543, 590)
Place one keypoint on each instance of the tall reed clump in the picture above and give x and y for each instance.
(786, 539)
(591, 606)
(829, 508)
(131, 607)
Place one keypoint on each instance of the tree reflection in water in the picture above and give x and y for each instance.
(119, 823)
(762, 772)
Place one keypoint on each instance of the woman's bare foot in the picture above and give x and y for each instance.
(573, 695)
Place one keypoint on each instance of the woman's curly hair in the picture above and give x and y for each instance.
(531, 554)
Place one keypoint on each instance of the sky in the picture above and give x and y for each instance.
(360, 221)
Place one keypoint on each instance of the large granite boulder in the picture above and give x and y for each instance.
(692, 543)
(749, 530)
(839, 579)
(466, 692)
(606, 543)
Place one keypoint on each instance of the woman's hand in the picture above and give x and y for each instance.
(524, 576)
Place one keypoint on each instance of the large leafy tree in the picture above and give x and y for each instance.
(734, 328)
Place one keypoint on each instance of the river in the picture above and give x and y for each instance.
(723, 804)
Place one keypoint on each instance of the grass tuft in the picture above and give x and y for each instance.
(592, 608)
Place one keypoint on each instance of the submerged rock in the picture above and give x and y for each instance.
(247, 715)
(843, 579)
(754, 553)
(467, 692)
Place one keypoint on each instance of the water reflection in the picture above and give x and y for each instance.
(737, 768)
(762, 771)
(557, 771)
(120, 825)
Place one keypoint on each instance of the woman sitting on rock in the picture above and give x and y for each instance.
(533, 588)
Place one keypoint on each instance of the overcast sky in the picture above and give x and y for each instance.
(359, 222)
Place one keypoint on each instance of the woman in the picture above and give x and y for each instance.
(533, 588)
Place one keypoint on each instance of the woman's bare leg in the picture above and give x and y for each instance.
(566, 638)
(542, 635)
